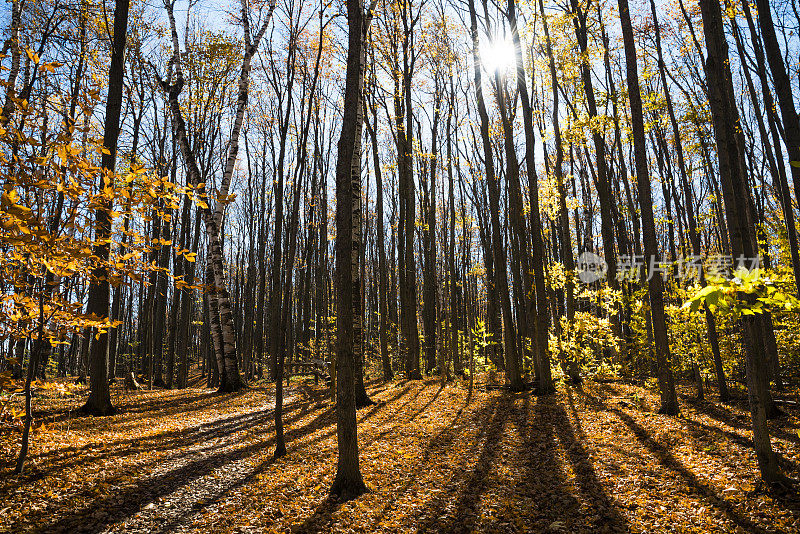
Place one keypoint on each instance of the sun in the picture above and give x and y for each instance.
(498, 55)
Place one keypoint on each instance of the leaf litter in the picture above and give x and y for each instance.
(594, 460)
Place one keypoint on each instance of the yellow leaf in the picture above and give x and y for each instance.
(33, 56)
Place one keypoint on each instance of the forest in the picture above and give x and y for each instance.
(400, 266)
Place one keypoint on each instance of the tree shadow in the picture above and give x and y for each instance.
(73, 456)
(540, 490)
(183, 405)
(475, 486)
(427, 404)
(668, 460)
(546, 490)
(541, 472)
(741, 422)
(322, 518)
(444, 439)
(407, 386)
(128, 501)
(725, 416)
(608, 516)
(134, 404)
(181, 519)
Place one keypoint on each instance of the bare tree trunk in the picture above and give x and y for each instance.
(160, 305)
(603, 189)
(184, 325)
(777, 167)
(348, 482)
(563, 215)
(99, 402)
(783, 88)
(666, 382)
(536, 262)
(405, 173)
(213, 220)
(725, 117)
(429, 237)
(521, 276)
(500, 269)
(362, 399)
(383, 269)
(36, 347)
(454, 284)
(694, 233)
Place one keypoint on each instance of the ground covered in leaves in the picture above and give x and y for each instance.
(595, 459)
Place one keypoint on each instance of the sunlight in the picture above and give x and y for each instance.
(498, 55)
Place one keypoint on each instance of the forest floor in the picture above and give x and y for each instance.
(595, 459)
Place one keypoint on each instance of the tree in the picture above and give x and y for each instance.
(691, 216)
(783, 86)
(563, 215)
(402, 76)
(99, 401)
(362, 399)
(666, 382)
(498, 253)
(383, 268)
(536, 261)
(347, 483)
(727, 134)
(580, 22)
(219, 301)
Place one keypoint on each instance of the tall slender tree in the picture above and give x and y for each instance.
(347, 483)
(99, 401)
(666, 382)
(497, 249)
(727, 134)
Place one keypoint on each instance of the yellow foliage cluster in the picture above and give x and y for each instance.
(50, 195)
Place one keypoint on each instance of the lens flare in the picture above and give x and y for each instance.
(498, 55)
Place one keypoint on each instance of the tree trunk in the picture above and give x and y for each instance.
(666, 382)
(361, 397)
(536, 262)
(603, 189)
(500, 270)
(783, 90)
(383, 270)
(454, 283)
(347, 483)
(99, 401)
(405, 172)
(776, 165)
(565, 238)
(725, 117)
(429, 238)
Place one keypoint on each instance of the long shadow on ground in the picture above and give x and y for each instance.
(668, 460)
(62, 459)
(320, 520)
(474, 484)
(103, 512)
